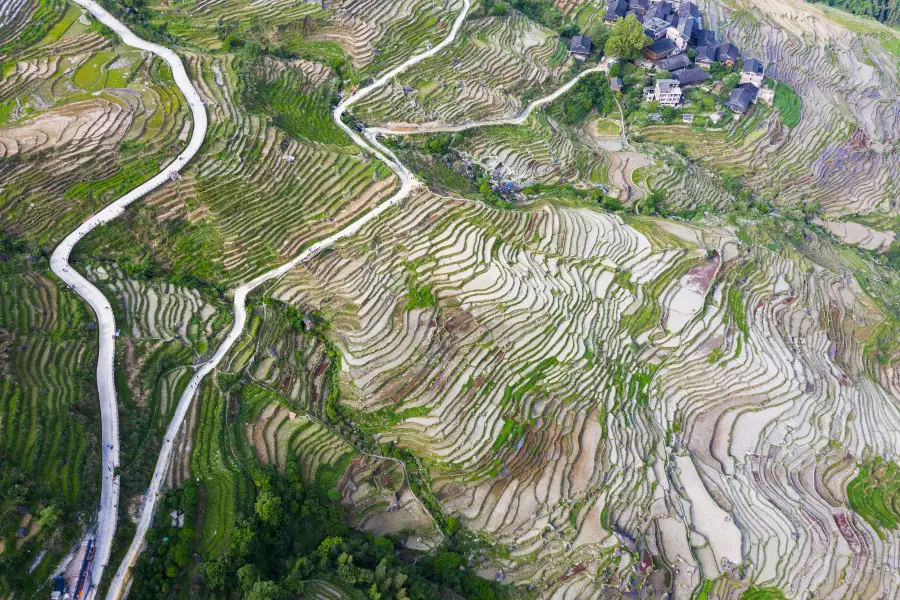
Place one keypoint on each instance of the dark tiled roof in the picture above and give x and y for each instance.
(740, 98)
(691, 76)
(661, 46)
(728, 52)
(616, 9)
(706, 37)
(659, 9)
(639, 5)
(706, 54)
(688, 10)
(686, 28)
(673, 63)
(615, 84)
(581, 44)
(751, 65)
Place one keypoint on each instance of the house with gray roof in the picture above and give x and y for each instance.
(580, 47)
(706, 56)
(706, 37)
(639, 6)
(728, 54)
(660, 49)
(615, 10)
(742, 97)
(654, 27)
(752, 72)
(688, 10)
(689, 77)
(673, 63)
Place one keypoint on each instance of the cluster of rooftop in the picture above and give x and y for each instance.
(676, 30)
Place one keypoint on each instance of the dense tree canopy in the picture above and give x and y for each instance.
(296, 533)
(591, 92)
(885, 11)
(627, 39)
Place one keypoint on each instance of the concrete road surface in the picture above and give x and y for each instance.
(408, 182)
(59, 263)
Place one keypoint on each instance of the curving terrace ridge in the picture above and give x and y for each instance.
(59, 264)
(408, 183)
(366, 140)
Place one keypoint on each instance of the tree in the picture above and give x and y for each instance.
(652, 203)
(216, 573)
(268, 507)
(264, 590)
(49, 516)
(627, 39)
(731, 81)
(570, 30)
(248, 576)
(446, 564)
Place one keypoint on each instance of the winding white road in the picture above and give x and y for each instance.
(59, 263)
(438, 127)
(408, 182)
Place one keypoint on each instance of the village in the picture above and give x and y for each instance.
(692, 69)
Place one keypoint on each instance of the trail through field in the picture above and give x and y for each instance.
(408, 182)
(59, 264)
(367, 139)
(436, 127)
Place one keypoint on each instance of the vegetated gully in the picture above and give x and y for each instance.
(108, 511)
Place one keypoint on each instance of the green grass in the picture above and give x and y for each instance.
(58, 30)
(874, 494)
(788, 104)
(92, 75)
(607, 127)
(420, 297)
(735, 308)
(703, 592)
(762, 593)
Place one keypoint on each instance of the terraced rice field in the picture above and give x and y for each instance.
(483, 75)
(95, 118)
(49, 431)
(229, 489)
(375, 36)
(577, 382)
(197, 22)
(539, 151)
(164, 329)
(492, 387)
(380, 35)
(268, 193)
(585, 392)
(45, 398)
(839, 150)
